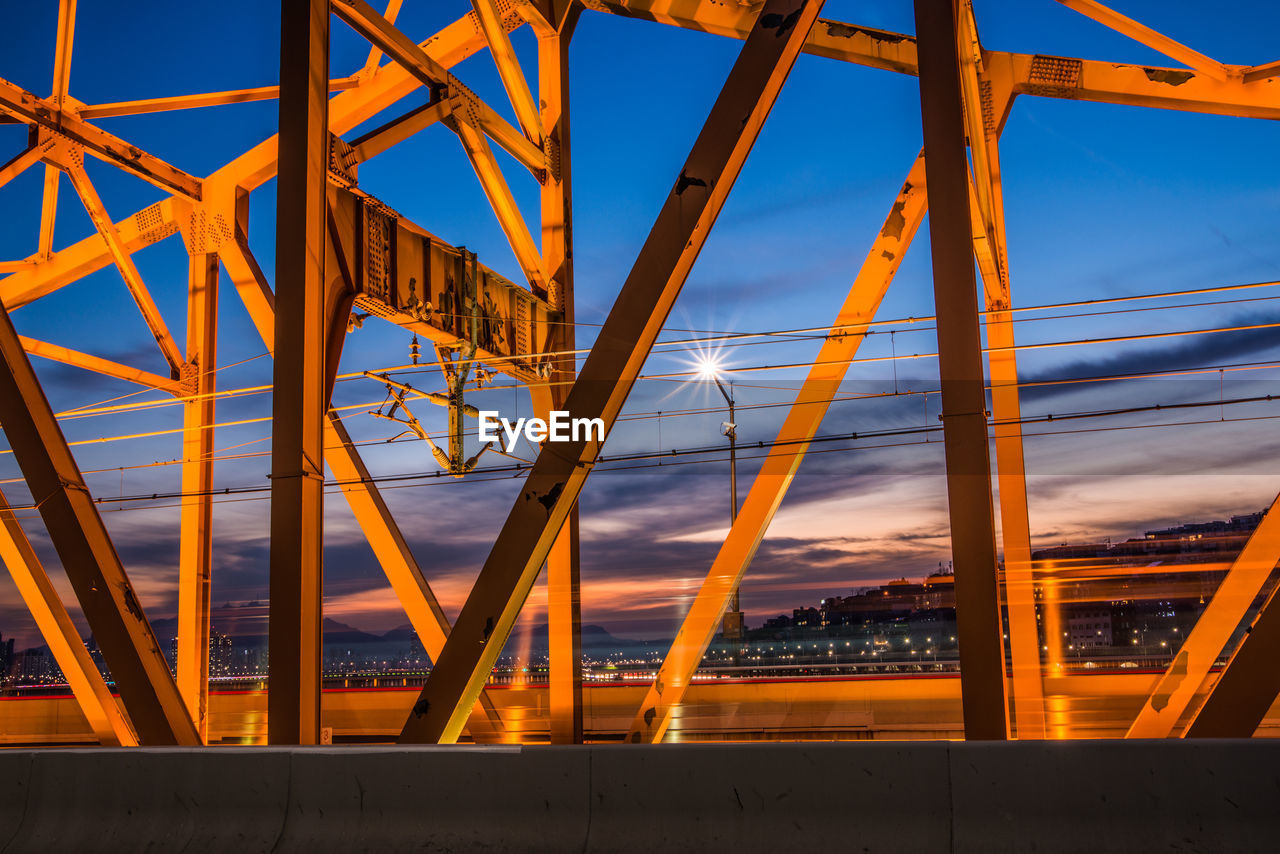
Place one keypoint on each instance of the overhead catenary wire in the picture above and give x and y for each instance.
(609, 462)
(788, 336)
(220, 456)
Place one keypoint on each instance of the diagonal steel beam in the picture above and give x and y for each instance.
(73, 163)
(979, 629)
(20, 163)
(1258, 73)
(504, 205)
(1248, 686)
(1145, 35)
(783, 460)
(375, 53)
(362, 18)
(504, 57)
(1181, 681)
(610, 370)
(89, 558)
(191, 102)
(399, 129)
(60, 634)
(106, 367)
(25, 106)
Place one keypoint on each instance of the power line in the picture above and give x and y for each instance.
(611, 461)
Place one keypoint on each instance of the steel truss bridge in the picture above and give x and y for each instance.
(338, 250)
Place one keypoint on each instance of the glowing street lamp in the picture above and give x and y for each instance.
(709, 369)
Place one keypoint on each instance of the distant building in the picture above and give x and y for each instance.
(1088, 628)
(6, 658)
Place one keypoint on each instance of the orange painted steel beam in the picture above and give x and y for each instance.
(375, 54)
(250, 170)
(782, 463)
(191, 102)
(361, 17)
(1178, 687)
(1248, 687)
(73, 163)
(28, 108)
(610, 370)
(1015, 530)
(986, 107)
(1145, 35)
(195, 550)
(48, 212)
(1019, 578)
(246, 275)
(62, 50)
(298, 401)
(399, 129)
(61, 82)
(1042, 76)
(978, 619)
(88, 556)
(88, 255)
(106, 367)
(1258, 73)
(564, 583)
(60, 634)
(396, 559)
(504, 57)
(503, 204)
(20, 163)
(874, 48)
(1134, 85)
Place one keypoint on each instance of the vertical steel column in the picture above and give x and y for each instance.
(1015, 527)
(610, 371)
(88, 556)
(195, 551)
(564, 598)
(960, 365)
(298, 405)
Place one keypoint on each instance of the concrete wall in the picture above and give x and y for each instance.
(868, 797)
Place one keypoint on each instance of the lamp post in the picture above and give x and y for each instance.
(731, 629)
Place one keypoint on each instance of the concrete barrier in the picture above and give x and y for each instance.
(1102, 796)
(155, 799)
(864, 797)
(15, 777)
(388, 800)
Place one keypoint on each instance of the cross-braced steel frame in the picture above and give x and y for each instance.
(966, 95)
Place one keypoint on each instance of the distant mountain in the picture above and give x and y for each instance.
(592, 636)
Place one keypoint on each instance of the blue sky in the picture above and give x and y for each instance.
(1102, 201)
